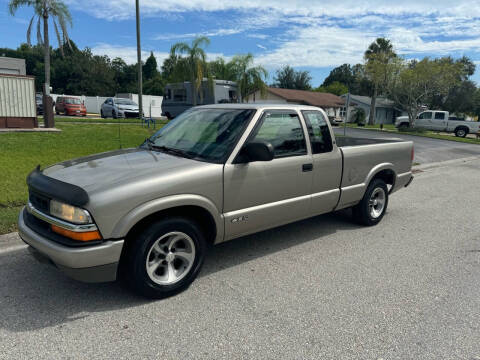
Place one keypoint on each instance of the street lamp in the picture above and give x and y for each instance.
(139, 63)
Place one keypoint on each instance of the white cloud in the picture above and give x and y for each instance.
(314, 33)
(125, 8)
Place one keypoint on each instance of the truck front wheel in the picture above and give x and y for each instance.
(165, 258)
(373, 206)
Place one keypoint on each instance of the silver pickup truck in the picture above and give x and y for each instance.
(147, 215)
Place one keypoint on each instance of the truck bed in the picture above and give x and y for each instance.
(363, 157)
(343, 141)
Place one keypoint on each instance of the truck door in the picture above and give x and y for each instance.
(439, 121)
(424, 120)
(327, 163)
(261, 195)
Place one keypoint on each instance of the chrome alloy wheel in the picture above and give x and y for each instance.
(376, 203)
(170, 258)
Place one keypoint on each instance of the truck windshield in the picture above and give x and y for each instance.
(203, 134)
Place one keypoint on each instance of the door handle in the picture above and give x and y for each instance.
(307, 167)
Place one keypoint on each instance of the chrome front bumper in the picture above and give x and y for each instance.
(97, 263)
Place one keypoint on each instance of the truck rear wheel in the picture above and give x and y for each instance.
(373, 206)
(165, 258)
(461, 132)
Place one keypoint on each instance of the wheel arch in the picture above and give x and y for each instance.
(464, 127)
(197, 208)
(383, 171)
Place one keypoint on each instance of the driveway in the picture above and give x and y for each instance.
(323, 288)
(427, 150)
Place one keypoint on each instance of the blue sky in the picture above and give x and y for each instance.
(306, 34)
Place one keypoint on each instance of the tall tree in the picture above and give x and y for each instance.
(43, 11)
(335, 88)
(196, 61)
(249, 78)
(378, 56)
(289, 78)
(220, 69)
(411, 84)
(150, 68)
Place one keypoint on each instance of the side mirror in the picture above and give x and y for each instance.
(255, 151)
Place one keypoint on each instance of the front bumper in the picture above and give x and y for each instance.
(128, 114)
(97, 263)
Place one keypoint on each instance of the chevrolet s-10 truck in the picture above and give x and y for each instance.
(147, 215)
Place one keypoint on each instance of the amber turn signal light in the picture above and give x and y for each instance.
(80, 236)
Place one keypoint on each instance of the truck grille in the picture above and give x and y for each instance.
(39, 202)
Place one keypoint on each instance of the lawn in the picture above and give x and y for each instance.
(429, 134)
(79, 119)
(22, 152)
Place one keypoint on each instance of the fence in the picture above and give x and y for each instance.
(152, 105)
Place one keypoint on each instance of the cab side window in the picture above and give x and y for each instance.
(425, 115)
(284, 131)
(439, 116)
(318, 132)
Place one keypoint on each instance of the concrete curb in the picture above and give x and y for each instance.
(445, 163)
(11, 242)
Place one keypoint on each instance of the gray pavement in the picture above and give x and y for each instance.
(323, 288)
(426, 150)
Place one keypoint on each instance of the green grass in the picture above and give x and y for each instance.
(423, 133)
(22, 152)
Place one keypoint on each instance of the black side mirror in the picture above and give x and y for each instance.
(255, 151)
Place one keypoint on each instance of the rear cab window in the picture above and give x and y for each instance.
(318, 131)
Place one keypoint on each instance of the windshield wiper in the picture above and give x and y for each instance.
(172, 151)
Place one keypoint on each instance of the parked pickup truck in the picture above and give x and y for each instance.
(147, 215)
(440, 121)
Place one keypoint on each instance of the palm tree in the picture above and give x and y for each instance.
(196, 60)
(43, 11)
(249, 78)
(378, 55)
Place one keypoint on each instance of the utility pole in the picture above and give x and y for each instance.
(139, 60)
(347, 114)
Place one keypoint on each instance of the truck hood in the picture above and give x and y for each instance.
(399, 119)
(100, 171)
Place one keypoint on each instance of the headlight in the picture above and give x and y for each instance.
(69, 213)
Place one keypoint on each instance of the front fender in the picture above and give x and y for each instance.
(125, 224)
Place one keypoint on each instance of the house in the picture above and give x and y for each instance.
(17, 95)
(385, 110)
(12, 66)
(332, 104)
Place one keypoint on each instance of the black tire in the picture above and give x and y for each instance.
(133, 269)
(114, 114)
(461, 132)
(362, 212)
(101, 114)
(403, 126)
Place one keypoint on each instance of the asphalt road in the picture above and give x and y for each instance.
(323, 288)
(426, 150)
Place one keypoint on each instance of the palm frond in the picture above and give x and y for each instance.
(59, 38)
(29, 31)
(180, 47)
(15, 4)
(199, 41)
(63, 25)
(39, 31)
